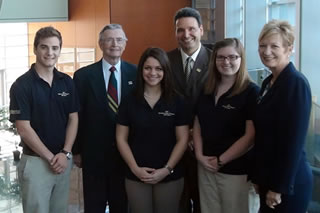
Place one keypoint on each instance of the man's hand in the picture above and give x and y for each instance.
(59, 163)
(77, 160)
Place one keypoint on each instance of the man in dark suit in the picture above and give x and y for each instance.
(189, 63)
(100, 86)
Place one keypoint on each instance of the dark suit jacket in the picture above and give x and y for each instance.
(281, 122)
(198, 76)
(96, 135)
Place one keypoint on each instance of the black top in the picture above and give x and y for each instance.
(152, 131)
(224, 123)
(47, 108)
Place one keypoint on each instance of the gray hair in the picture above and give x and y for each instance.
(111, 27)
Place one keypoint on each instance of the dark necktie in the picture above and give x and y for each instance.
(188, 67)
(112, 92)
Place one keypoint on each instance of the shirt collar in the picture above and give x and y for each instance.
(193, 56)
(56, 73)
(106, 66)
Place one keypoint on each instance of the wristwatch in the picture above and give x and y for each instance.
(169, 169)
(68, 154)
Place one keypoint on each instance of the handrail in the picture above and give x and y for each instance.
(259, 69)
(316, 104)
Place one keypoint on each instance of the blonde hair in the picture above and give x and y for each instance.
(280, 27)
(214, 78)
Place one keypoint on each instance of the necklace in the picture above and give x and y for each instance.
(152, 97)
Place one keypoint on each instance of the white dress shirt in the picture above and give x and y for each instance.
(106, 74)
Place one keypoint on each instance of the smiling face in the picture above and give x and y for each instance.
(152, 72)
(228, 61)
(112, 43)
(274, 53)
(188, 34)
(47, 52)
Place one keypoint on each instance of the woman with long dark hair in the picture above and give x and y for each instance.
(152, 134)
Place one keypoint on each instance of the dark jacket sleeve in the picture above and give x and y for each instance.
(79, 85)
(291, 129)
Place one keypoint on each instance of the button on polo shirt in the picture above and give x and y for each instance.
(47, 108)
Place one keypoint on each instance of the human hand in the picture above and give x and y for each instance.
(143, 173)
(273, 199)
(59, 163)
(77, 160)
(158, 175)
(210, 163)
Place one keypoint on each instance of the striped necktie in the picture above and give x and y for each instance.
(188, 67)
(112, 92)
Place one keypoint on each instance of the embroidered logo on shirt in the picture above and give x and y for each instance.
(130, 82)
(228, 106)
(166, 113)
(63, 94)
(15, 112)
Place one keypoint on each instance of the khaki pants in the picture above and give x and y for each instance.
(42, 191)
(154, 198)
(223, 193)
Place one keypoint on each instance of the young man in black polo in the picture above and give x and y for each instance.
(44, 107)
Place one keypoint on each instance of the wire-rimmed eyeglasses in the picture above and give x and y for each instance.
(229, 57)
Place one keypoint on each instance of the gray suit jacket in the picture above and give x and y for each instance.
(191, 89)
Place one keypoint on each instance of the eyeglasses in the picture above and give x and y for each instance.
(116, 40)
(229, 57)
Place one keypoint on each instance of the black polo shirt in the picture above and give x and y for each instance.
(224, 123)
(152, 131)
(47, 108)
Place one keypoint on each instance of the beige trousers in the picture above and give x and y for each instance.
(223, 193)
(42, 191)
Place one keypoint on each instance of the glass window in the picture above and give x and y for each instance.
(13, 56)
(207, 11)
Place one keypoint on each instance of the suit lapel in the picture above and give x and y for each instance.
(124, 81)
(98, 84)
(178, 69)
(200, 65)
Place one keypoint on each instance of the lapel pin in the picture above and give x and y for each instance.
(198, 70)
(130, 82)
